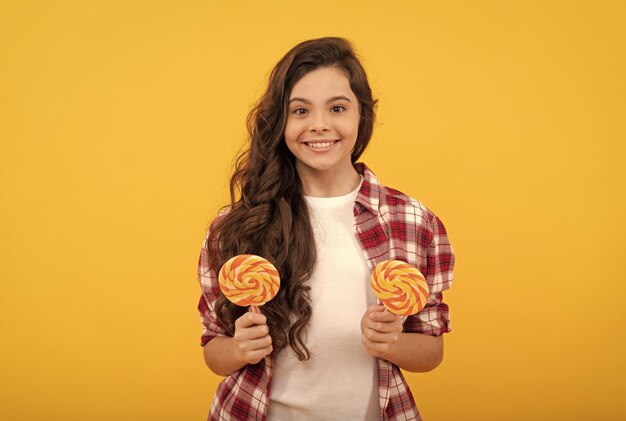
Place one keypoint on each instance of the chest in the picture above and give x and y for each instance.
(399, 234)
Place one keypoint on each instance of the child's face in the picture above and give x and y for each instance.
(323, 121)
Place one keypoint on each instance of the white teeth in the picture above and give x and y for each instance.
(321, 145)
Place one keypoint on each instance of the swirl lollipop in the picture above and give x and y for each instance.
(249, 280)
(400, 287)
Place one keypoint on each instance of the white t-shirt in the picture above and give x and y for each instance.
(339, 381)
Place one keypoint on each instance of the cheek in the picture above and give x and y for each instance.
(291, 132)
(291, 138)
(350, 127)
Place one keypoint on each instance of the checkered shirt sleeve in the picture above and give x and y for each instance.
(244, 394)
(207, 277)
(434, 319)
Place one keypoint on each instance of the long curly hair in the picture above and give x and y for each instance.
(268, 215)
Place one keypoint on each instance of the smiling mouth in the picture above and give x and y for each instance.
(320, 145)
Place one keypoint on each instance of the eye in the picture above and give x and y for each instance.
(339, 106)
(296, 111)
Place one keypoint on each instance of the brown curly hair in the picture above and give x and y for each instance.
(267, 215)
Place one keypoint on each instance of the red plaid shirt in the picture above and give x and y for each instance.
(389, 225)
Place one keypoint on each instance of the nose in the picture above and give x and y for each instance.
(319, 123)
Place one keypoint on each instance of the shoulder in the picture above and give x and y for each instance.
(216, 221)
(392, 201)
(410, 214)
(399, 211)
(395, 199)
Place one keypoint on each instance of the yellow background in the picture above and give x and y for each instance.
(119, 123)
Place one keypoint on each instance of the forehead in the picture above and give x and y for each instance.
(322, 83)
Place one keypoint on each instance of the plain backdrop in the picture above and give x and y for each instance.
(119, 123)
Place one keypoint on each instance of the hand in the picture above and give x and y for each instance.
(252, 339)
(380, 331)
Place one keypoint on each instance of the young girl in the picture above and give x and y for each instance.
(321, 349)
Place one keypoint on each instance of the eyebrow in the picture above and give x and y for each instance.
(306, 101)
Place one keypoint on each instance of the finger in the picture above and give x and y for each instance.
(257, 344)
(384, 316)
(373, 348)
(365, 341)
(380, 337)
(375, 309)
(252, 332)
(250, 319)
(254, 357)
(384, 327)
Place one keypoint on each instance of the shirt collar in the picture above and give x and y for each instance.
(370, 191)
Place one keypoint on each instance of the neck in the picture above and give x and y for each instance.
(328, 183)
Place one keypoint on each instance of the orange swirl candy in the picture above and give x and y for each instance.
(400, 287)
(249, 280)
